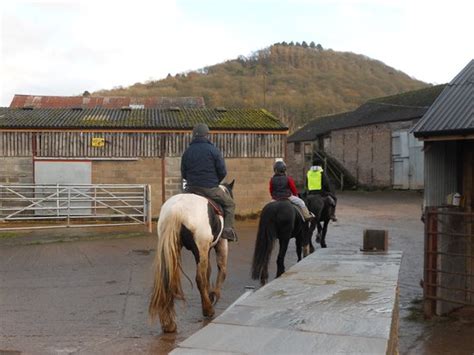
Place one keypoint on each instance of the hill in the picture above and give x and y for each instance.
(295, 82)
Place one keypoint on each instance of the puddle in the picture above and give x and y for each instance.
(351, 296)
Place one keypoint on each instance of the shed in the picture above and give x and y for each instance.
(137, 146)
(447, 130)
(371, 144)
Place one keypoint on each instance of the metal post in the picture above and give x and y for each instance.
(68, 206)
(430, 262)
(148, 206)
(57, 200)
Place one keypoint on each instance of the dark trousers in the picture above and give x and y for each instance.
(222, 198)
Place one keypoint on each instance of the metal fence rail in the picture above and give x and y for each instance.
(78, 205)
(449, 260)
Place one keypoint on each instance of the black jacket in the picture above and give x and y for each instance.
(202, 164)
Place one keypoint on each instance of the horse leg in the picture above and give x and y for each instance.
(221, 258)
(202, 282)
(281, 255)
(312, 227)
(323, 234)
(319, 235)
(299, 247)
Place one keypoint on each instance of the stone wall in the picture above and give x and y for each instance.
(142, 171)
(252, 176)
(366, 152)
(251, 181)
(16, 170)
(299, 163)
(250, 189)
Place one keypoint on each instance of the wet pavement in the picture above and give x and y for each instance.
(91, 295)
(332, 302)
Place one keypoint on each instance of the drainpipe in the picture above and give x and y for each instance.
(163, 168)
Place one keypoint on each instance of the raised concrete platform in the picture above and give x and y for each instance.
(333, 301)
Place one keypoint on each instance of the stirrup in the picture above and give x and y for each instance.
(229, 234)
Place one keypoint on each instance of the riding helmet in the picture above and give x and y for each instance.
(279, 167)
(317, 162)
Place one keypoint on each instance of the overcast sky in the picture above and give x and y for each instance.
(66, 47)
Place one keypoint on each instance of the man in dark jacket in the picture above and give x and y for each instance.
(203, 168)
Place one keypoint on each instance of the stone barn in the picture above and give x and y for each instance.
(447, 131)
(370, 146)
(137, 146)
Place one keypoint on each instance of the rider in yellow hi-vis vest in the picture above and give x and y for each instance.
(315, 179)
(317, 182)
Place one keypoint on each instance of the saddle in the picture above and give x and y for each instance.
(298, 210)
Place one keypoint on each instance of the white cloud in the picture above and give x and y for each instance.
(92, 45)
(64, 48)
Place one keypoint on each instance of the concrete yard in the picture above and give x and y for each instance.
(90, 296)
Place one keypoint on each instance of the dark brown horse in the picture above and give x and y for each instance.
(322, 207)
(279, 220)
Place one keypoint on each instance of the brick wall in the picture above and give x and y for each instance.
(251, 182)
(173, 181)
(16, 170)
(366, 152)
(142, 171)
(299, 163)
(250, 189)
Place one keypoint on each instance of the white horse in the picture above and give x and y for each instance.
(191, 221)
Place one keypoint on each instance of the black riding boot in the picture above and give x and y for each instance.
(229, 234)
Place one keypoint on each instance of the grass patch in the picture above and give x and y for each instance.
(6, 235)
(415, 311)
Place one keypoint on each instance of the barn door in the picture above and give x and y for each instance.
(53, 172)
(400, 160)
(417, 167)
(408, 161)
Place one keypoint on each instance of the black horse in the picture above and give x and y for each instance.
(279, 220)
(322, 207)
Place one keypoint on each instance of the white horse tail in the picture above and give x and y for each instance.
(167, 281)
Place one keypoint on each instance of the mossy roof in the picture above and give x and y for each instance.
(140, 119)
(410, 105)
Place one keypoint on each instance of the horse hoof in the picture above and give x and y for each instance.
(318, 238)
(208, 313)
(170, 328)
(324, 246)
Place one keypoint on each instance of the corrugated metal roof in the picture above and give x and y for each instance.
(367, 114)
(453, 110)
(39, 101)
(101, 118)
(402, 107)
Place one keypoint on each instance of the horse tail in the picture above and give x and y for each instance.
(167, 266)
(266, 236)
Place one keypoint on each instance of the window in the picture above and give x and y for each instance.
(297, 147)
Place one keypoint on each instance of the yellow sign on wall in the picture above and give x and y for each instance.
(98, 142)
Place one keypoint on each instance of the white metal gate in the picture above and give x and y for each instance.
(77, 205)
(407, 160)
